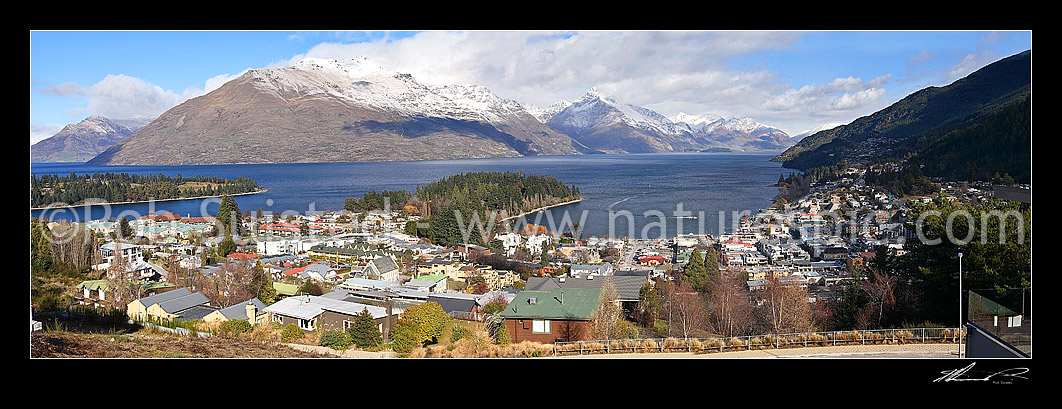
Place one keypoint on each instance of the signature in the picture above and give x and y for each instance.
(965, 375)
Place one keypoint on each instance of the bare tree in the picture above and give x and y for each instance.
(785, 307)
(120, 279)
(880, 298)
(604, 321)
(685, 309)
(72, 245)
(732, 310)
(231, 285)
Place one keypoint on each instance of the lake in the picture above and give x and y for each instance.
(654, 195)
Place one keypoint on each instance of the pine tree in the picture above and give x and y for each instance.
(364, 332)
(695, 273)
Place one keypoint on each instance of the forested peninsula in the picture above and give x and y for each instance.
(55, 190)
(449, 205)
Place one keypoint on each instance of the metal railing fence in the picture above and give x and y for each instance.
(751, 342)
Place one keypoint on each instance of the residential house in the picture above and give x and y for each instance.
(557, 315)
(319, 272)
(310, 312)
(180, 304)
(252, 310)
(588, 269)
(94, 292)
(628, 285)
(458, 305)
(440, 265)
(428, 283)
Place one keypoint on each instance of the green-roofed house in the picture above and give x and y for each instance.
(548, 316)
(285, 290)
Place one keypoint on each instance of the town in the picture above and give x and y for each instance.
(322, 272)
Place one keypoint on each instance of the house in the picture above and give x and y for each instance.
(383, 268)
(310, 312)
(428, 283)
(318, 272)
(251, 310)
(285, 289)
(587, 269)
(94, 292)
(458, 305)
(557, 315)
(180, 304)
(628, 286)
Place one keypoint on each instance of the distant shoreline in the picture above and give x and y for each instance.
(144, 201)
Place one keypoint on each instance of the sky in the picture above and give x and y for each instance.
(792, 80)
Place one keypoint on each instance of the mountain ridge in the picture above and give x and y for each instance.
(84, 140)
(904, 128)
(328, 111)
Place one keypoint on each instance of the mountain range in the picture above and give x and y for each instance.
(971, 129)
(321, 110)
(84, 140)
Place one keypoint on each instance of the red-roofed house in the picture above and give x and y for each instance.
(242, 256)
(279, 228)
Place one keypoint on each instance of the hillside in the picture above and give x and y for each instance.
(84, 140)
(327, 111)
(920, 123)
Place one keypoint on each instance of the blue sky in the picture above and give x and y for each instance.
(789, 79)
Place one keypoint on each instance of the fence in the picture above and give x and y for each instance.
(771, 341)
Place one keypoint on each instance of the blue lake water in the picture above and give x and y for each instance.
(623, 195)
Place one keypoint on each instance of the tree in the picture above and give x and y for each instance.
(364, 333)
(732, 310)
(262, 285)
(124, 231)
(695, 274)
(311, 287)
(227, 246)
(648, 305)
(495, 304)
(785, 307)
(228, 217)
(419, 325)
(879, 293)
(685, 309)
(604, 321)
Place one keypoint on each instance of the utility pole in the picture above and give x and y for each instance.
(961, 326)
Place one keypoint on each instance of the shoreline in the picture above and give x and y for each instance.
(144, 201)
(532, 211)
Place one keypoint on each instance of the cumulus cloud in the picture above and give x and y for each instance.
(541, 68)
(668, 71)
(120, 97)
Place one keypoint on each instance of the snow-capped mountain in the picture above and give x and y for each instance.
(320, 110)
(82, 141)
(600, 122)
(809, 132)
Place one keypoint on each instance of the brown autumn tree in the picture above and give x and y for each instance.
(732, 310)
(784, 307)
(685, 309)
(879, 289)
(605, 320)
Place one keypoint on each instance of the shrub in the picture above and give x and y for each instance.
(336, 339)
(235, 327)
(501, 336)
(459, 332)
(290, 333)
(419, 325)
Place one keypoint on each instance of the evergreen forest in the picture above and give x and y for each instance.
(75, 189)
